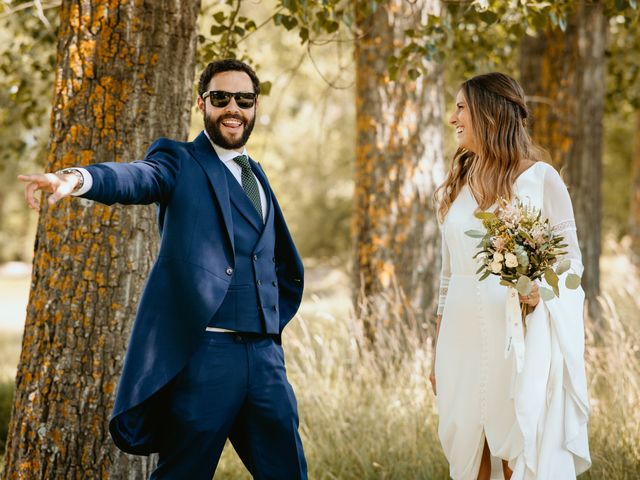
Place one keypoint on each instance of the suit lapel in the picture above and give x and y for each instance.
(208, 159)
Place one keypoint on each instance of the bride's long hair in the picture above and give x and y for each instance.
(498, 111)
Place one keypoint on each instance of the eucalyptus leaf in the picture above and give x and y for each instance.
(546, 294)
(485, 215)
(563, 266)
(573, 281)
(524, 285)
(506, 283)
(484, 275)
(474, 233)
(551, 277)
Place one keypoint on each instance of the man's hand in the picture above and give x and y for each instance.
(58, 185)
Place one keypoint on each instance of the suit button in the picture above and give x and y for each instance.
(274, 283)
(275, 309)
(273, 259)
(255, 258)
(259, 282)
(229, 271)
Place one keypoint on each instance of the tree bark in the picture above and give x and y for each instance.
(399, 151)
(634, 203)
(124, 77)
(563, 74)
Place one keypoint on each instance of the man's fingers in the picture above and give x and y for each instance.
(29, 194)
(63, 190)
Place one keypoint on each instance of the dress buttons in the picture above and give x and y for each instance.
(274, 283)
(273, 259)
(259, 282)
(275, 309)
(229, 271)
(255, 258)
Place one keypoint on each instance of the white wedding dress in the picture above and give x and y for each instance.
(526, 395)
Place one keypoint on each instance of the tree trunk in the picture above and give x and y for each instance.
(563, 74)
(399, 151)
(124, 77)
(634, 203)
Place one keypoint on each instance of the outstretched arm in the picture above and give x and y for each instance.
(139, 182)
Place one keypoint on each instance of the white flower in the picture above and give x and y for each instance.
(511, 260)
(498, 257)
(496, 267)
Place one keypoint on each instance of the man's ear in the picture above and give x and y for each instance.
(200, 103)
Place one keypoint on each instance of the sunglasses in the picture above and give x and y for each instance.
(220, 98)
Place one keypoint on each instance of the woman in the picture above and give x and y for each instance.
(532, 416)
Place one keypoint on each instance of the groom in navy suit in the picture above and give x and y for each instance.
(205, 361)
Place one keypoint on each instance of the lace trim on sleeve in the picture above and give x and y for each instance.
(568, 226)
(444, 289)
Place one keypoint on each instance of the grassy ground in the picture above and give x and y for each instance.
(368, 417)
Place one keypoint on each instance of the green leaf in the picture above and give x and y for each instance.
(551, 277)
(563, 266)
(289, 22)
(304, 34)
(265, 88)
(488, 17)
(332, 26)
(506, 283)
(219, 17)
(524, 285)
(414, 74)
(217, 29)
(485, 215)
(546, 294)
(484, 275)
(475, 233)
(621, 5)
(238, 30)
(573, 281)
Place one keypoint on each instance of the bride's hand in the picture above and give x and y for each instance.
(533, 298)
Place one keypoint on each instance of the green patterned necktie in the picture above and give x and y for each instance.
(249, 182)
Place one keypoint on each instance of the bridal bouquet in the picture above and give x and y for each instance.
(519, 246)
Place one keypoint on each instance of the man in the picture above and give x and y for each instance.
(204, 361)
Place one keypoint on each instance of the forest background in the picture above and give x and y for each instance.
(345, 81)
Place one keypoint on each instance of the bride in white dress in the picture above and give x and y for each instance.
(522, 402)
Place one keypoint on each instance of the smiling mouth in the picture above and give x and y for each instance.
(232, 123)
(459, 130)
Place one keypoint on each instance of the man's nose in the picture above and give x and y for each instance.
(232, 106)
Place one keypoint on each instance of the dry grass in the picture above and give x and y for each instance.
(366, 416)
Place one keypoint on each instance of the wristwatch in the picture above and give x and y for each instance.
(73, 171)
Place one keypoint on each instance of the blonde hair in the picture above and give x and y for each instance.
(498, 111)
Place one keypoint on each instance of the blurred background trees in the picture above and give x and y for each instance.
(353, 133)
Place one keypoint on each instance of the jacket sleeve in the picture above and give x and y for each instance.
(140, 182)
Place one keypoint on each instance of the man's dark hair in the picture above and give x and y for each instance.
(227, 65)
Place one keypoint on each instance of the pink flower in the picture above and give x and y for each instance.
(499, 243)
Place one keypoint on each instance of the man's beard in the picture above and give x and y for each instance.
(215, 133)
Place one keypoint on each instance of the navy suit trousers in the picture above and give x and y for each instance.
(236, 388)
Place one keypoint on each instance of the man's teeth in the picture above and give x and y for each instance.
(232, 123)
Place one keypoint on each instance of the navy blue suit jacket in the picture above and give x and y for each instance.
(190, 277)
